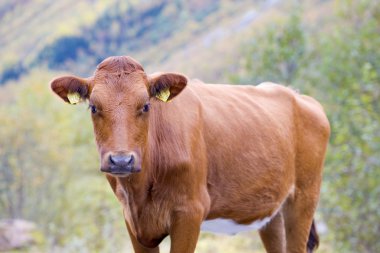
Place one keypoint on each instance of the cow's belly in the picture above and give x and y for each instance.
(230, 227)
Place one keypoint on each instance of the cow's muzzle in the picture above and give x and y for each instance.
(121, 164)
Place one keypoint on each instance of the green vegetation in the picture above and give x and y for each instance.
(48, 160)
(276, 55)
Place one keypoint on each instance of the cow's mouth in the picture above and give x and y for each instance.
(120, 171)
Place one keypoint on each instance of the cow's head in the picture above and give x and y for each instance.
(120, 97)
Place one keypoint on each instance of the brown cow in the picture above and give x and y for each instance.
(233, 155)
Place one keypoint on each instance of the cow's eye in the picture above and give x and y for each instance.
(146, 107)
(93, 109)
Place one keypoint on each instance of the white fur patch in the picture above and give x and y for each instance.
(228, 226)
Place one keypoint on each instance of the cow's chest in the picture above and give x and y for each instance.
(147, 219)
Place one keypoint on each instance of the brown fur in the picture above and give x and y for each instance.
(229, 151)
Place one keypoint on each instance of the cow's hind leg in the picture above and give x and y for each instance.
(298, 214)
(273, 235)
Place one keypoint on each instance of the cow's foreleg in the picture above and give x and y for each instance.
(184, 231)
(273, 235)
(137, 246)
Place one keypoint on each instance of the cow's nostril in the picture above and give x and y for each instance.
(112, 159)
(131, 159)
(122, 160)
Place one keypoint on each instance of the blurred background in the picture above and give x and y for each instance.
(53, 197)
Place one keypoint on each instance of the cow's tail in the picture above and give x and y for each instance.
(313, 242)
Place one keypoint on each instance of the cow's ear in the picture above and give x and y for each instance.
(165, 86)
(71, 89)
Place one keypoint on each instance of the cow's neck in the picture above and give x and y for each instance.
(135, 187)
(132, 193)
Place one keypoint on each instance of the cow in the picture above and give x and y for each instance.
(181, 155)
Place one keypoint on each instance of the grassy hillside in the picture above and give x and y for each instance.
(164, 35)
(76, 35)
(28, 26)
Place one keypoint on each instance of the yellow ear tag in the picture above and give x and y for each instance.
(73, 97)
(164, 95)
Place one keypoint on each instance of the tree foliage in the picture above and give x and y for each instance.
(275, 55)
(352, 74)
